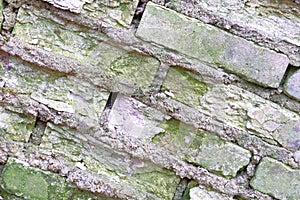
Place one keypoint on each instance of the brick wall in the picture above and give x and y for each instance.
(174, 99)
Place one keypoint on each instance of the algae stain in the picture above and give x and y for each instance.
(21, 182)
(185, 86)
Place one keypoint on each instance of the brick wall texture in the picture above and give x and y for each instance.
(128, 99)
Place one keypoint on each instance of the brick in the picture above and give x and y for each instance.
(74, 6)
(135, 118)
(292, 84)
(202, 148)
(40, 28)
(113, 12)
(209, 44)
(289, 135)
(277, 179)
(200, 192)
(233, 105)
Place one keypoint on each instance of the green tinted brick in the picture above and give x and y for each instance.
(62, 93)
(99, 158)
(277, 179)
(31, 183)
(17, 127)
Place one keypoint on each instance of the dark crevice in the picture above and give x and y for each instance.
(290, 69)
(103, 120)
(167, 1)
(37, 132)
(111, 100)
(139, 13)
(180, 189)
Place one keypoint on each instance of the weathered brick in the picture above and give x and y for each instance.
(212, 45)
(292, 84)
(202, 148)
(135, 118)
(18, 181)
(118, 12)
(277, 179)
(197, 193)
(72, 5)
(32, 183)
(232, 105)
(289, 135)
(40, 28)
(199, 147)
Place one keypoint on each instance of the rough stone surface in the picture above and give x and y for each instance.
(197, 193)
(277, 179)
(14, 126)
(74, 6)
(292, 85)
(135, 118)
(1, 8)
(119, 12)
(289, 135)
(61, 93)
(202, 148)
(206, 43)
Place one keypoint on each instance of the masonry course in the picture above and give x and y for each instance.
(107, 104)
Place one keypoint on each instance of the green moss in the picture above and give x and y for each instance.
(185, 86)
(14, 126)
(135, 68)
(161, 183)
(26, 183)
(32, 183)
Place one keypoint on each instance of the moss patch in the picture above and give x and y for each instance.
(31, 183)
(184, 86)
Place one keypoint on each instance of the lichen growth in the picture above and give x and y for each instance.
(32, 183)
(184, 86)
